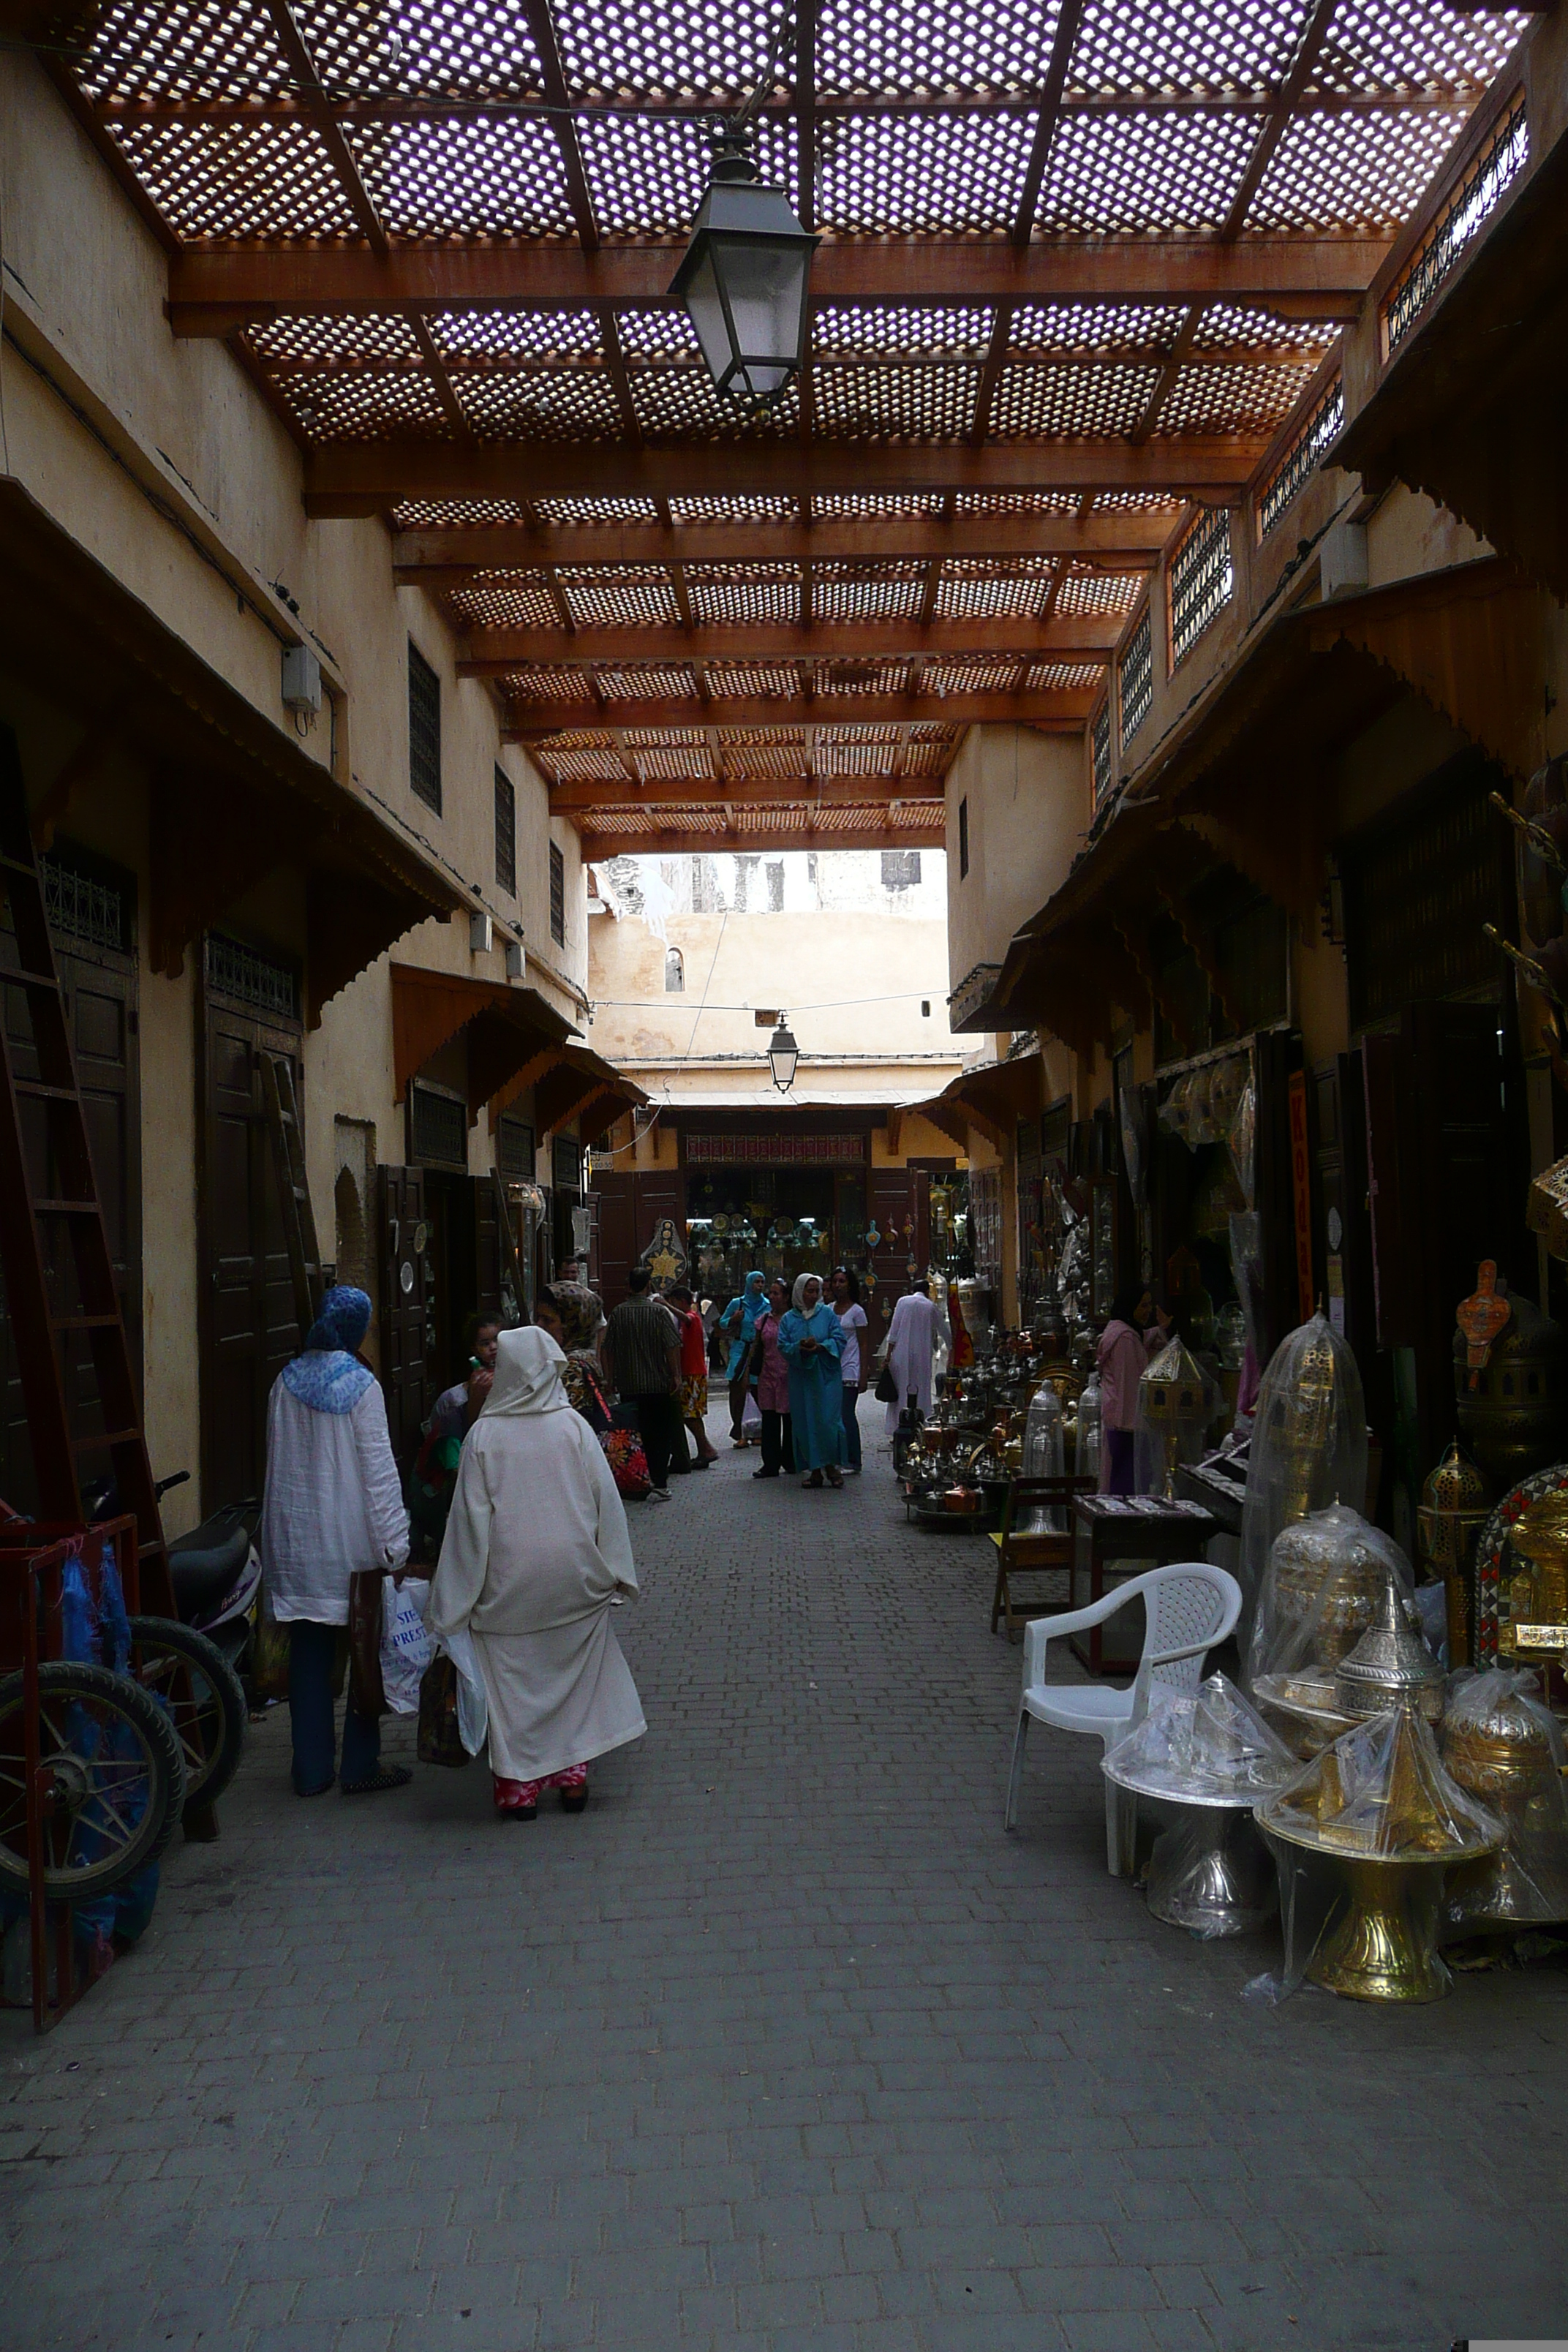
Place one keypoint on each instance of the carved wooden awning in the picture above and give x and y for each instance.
(508, 1030)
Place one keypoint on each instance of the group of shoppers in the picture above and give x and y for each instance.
(796, 1355)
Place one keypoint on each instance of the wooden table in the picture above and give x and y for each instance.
(1134, 1532)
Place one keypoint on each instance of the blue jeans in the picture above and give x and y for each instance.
(312, 1650)
(851, 1426)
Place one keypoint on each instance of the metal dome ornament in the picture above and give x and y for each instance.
(745, 278)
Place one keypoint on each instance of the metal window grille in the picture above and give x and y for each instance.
(514, 1148)
(963, 838)
(1203, 581)
(557, 896)
(80, 908)
(566, 1163)
(236, 972)
(1303, 456)
(423, 730)
(506, 834)
(440, 1129)
(1101, 743)
(1135, 678)
(900, 869)
(1478, 195)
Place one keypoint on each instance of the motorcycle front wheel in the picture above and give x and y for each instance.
(202, 1695)
(112, 1778)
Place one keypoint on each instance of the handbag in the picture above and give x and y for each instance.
(366, 1695)
(441, 1738)
(887, 1389)
(628, 1463)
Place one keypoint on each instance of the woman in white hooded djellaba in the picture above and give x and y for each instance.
(535, 1555)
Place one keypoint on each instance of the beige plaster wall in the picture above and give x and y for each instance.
(1027, 809)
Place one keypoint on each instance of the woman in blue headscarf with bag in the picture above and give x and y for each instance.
(811, 1340)
(333, 1504)
(738, 1324)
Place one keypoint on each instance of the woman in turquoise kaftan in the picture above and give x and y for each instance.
(739, 1325)
(811, 1340)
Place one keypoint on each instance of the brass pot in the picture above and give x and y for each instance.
(1328, 1556)
(1514, 1419)
(1504, 1755)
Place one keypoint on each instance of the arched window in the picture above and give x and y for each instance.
(674, 971)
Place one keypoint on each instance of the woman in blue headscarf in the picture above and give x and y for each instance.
(738, 1324)
(811, 1340)
(333, 1504)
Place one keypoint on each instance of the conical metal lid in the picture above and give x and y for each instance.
(1390, 1664)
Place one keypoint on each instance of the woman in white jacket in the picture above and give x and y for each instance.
(535, 1555)
(332, 1502)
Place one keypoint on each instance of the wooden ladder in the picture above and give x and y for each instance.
(69, 1212)
(293, 1192)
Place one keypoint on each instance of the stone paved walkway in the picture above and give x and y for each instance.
(784, 2045)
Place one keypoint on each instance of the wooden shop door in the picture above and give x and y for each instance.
(248, 1327)
(401, 1235)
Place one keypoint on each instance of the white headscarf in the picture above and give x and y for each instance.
(797, 1296)
(528, 1375)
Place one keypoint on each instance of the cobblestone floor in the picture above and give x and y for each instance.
(784, 2044)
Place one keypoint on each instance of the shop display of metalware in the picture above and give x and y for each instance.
(1324, 1567)
(1501, 1746)
(1512, 1407)
(1211, 1873)
(1302, 1420)
(1537, 1623)
(1390, 1666)
(1453, 1510)
(1175, 1401)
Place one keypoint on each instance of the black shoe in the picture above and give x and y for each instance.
(391, 1776)
(574, 1800)
(764, 1473)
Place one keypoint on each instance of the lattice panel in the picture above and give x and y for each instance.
(238, 179)
(887, 331)
(856, 402)
(501, 177)
(439, 48)
(873, 506)
(1061, 677)
(977, 588)
(1115, 327)
(763, 755)
(227, 50)
(681, 402)
(928, 760)
(986, 504)
(454, 514)
(936, 174)
(641, 681)
(876, 675)
(1225, 328)
(656, 332)
(585, 766)
(1352, 171)
(1145, 172)
(540, 404)
(735, 510)
(493, 599)
(620, 50)
(863, 51)
(970, 674)
(625, 595)
(743, 591)
(1037, 398)
(569, 512)
(1135, 502)
(732, 679)
(1086, 591)
(361, 408)
(1223, 397)
(855, 750)
(510, 335)
(647, 177)
(537, 683)
(867, 592)
(1146, 48)
(1396, 45)
(326, 340)
(669, 758)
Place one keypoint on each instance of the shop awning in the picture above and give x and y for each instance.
(570, 1082)
(509, 1029)
(991, 1099)
(233, 795)
(1469, 409)
(1469, 640)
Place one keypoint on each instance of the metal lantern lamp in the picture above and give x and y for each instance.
(746, 273)
(782, 1056)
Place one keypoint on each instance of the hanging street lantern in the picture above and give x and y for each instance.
(782, 1056)
(747, 271)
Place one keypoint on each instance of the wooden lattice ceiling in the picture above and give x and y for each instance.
(1080, 259)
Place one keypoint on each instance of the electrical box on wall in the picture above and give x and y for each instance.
(302, 681)
(514, 959)
(481, 932)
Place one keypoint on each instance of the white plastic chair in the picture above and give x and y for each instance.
(1188, 1607)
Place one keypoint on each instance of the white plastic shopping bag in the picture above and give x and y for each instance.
(751, 1417)
(473, 1709)
(407, 1647)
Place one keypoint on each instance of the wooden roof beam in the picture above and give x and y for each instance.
(783, 830)
(497, 652)
(1067, 708)
(424, 557)
(562, 121)
(216, 287)
(737, 790)
(363, 477)
(1062, 43)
